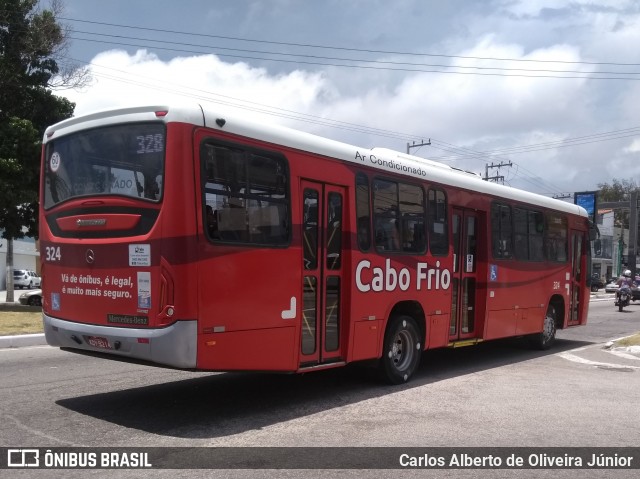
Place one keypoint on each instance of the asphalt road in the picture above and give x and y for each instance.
(498, 394)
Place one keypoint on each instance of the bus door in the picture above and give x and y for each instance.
(464, 318)
(322, 208)
(578, 251)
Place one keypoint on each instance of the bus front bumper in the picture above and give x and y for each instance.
(174, 345)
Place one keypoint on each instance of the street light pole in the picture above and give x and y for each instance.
(414, 145)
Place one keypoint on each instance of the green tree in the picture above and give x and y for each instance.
(32, 44)
(19, 143)
(618, 190)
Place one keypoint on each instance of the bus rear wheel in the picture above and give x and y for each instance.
(402, 350)
(547, 337)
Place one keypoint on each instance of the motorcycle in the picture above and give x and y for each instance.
(623, 297)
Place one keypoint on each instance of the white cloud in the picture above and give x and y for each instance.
(536, 7)
(479, 112)
(634, 147)
(121, 80)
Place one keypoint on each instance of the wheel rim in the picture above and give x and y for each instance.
(549, 328)
(401, 352)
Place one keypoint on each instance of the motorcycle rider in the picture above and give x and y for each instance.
(623, 295)
(625, 279)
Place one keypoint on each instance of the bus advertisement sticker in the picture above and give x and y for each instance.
(139, 255)
(144, 290)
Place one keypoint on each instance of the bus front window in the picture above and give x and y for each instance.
(123, 160)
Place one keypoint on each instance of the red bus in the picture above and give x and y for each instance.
(184, 237)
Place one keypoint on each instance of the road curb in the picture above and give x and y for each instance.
(21, 340)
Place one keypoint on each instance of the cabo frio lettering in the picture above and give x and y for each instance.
(373, 278)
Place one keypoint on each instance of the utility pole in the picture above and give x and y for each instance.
(495, 178)
(414, 145)
(632, 205)
(633, 231)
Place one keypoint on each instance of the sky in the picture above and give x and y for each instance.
(549, 87)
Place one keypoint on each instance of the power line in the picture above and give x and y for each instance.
(361, 50)
(332, 123)
(467, 153)
(344, 125)
(249, 105)
(289, 114)
(368, 67)
(584, 140)
(318, 57)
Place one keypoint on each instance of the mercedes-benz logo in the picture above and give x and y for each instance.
(90, 256)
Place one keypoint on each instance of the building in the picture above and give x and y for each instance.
(25, 256)
(610, 252)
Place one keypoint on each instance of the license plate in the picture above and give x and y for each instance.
(98, 342)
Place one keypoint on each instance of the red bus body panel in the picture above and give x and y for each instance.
(234, 307)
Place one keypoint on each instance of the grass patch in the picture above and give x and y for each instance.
(630, 341)
(12, 323)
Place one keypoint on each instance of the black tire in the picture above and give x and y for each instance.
(35, 301)
(547, 337)
(401, 350)
(594, 288)
(620, 306)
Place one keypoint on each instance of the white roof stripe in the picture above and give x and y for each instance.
(379, 158)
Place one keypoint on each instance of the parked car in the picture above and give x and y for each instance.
(596, 282)
(611, 287)
(25, 278)
(31, 298)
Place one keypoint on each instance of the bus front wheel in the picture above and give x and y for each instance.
(402, 350)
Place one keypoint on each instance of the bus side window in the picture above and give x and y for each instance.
(412, 213)
(246, 190)
(501, 231)
(212, 223)
(363, 212)
(438, 225)
(556, 238)
(385, 210)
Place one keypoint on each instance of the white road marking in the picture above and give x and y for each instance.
(22, 348)
(39, 433)
(577, 359)
(622, 354)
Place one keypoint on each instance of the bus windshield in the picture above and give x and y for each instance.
(124, 160)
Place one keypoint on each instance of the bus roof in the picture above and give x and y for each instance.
(379, 158)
